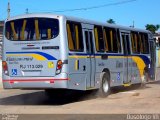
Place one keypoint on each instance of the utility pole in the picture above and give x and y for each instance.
(8, 10)
(27, 11)
(133, 24)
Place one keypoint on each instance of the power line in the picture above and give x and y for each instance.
(96, 7)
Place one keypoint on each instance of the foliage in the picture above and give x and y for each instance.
(152, 28)
(111, 21)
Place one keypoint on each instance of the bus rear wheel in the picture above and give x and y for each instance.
(145, 79)
(104, 89)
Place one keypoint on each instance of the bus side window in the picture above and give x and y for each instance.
(145, 44)
(70, 39)
(112, 40)
(115, 41)
(135, 42)
(75, 39)
(106, 40)
(141, 42)
(119, 42)
(99, 38)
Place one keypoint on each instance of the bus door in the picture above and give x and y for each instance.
(90, 59)
(127, 74)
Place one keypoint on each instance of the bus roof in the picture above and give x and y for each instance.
(76, 19)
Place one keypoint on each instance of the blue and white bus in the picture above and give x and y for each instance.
(57, 52)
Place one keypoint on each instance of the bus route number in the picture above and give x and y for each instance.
(31, 66)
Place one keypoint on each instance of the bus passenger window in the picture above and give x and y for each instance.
(75, 38)
(112, 41)
(99, 38)
(106, 40)
(111, 36)
(135, 42)
(70, 40)
(119, 42)
(115, 41)
(87, 42)
(144, 42)
(141, 43)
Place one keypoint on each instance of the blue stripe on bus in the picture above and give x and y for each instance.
(143, 57)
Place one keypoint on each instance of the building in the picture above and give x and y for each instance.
(157, 39)
(1, 30)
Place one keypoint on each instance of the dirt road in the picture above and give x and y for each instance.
(146, 100)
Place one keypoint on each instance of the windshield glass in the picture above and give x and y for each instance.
(32, 29)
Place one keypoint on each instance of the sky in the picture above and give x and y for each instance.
(142, 12)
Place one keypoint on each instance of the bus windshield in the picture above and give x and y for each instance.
(32, 29)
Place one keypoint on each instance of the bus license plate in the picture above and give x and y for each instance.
(31, 66)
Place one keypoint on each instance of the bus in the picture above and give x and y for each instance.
(57, 52)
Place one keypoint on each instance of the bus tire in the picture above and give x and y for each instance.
(145, 79)
(104, 89)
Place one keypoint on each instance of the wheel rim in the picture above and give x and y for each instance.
(105, 85)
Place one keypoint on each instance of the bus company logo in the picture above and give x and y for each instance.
(14, 71)
(101, 64)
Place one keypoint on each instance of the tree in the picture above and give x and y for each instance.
(152, 28)
(111, 21)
